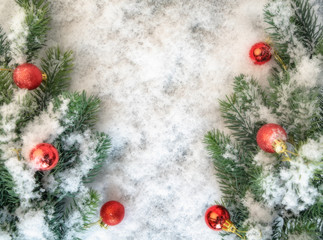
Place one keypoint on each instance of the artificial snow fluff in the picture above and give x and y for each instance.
(5, 236)
(291, 187)
(18, 36)
(308, 72)
(266, 160)
(312, 150)
(254, 234)
(24, 180)
(32, 225)
(258, 212)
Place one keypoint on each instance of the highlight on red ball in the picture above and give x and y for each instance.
(112, 213)
(260, 53)
(216, 216)
(27, 76)
(268, 134)
(44, 156)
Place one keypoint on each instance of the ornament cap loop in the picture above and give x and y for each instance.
(103, 224)
(44, 76)
(228, 226)
(100, 222)
(281, 148)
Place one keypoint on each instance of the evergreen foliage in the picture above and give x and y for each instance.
(4, 50)
(37, 20)
(295, 105)
(59, 198)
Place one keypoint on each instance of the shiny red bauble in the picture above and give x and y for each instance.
(27, 76)
(216, 216)
(268, 134)
(44, 156)
(260, 53)
(112, 213)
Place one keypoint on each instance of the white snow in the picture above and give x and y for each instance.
(32, 225)
(266, 160)
(160, 68)
(4, 235)
(312, 150)
(291, 186)
(309, 73)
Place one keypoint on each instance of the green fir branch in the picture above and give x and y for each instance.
(8, 197)
(62, 209)
(298, 108)
(102, 149)
(57, 66)
(231, 173)
(308, 30)
(319, 48)
(89, 207)
(65, 206)
(6, 87)
(240, 111)
(37, 20)
(82, 112)
(296, 226)
(280, 38)
(5, 57)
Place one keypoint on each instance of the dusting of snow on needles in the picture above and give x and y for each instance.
(32, 225)
(72, 178)
(44, 128)
(23, 177)
(4, 236)
(13, 21)
(291, 186)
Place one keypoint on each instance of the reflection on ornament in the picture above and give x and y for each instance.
(260, 53)
(44, 156)
(217, 218)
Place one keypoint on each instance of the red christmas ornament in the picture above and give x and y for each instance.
(216, 216)
(260, 53)
(271, 138)
(111, 213)
(27, 76)
(44, 156)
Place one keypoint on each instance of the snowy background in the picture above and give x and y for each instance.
(159, 67)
